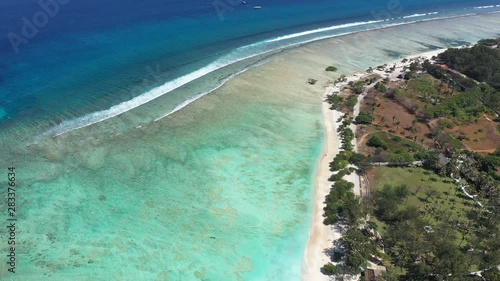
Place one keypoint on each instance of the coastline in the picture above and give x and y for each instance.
(195, 134)
(322, 236)
(152, 95)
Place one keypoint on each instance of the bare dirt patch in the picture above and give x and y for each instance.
(392, 118)
(482, 136)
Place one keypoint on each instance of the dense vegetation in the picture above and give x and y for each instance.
(364, 118)
(437, 222)
(428, 100)
(377, 142)
(342, 206)
(335, 101)
(391, 148)
(433, 233)
(480, 62)
(357, 88)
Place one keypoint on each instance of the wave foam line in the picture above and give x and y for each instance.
(323, 30)
(99, 116)
(195, 97)
(238, 55)
(414, 16)
(486, 7)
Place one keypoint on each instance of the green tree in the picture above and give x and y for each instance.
(376, 141)
(355, 263)
(335, 101)
(357, 248)
(364, 118)
(351, 101)
(414, 66)
(430, 160)
(390, 275)
(387, 201)
(492, 274)
(381, 87)
(330, 269)
(363, 163)
(358, 87)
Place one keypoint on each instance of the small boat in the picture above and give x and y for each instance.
(257, 7)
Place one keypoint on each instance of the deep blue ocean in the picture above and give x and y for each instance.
(62, 60)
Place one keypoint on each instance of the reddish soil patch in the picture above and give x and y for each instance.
(387, 114)
(482, 137)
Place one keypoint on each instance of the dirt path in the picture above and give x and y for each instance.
(362, 139)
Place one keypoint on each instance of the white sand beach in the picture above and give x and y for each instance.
(323, 236)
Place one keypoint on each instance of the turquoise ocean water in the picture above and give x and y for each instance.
(131, 168)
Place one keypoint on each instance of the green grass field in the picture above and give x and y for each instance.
(438, 198)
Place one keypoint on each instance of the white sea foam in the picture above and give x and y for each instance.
(118, 109)
(195, 97)
(486, 7)
(235, 56)
(295, 35)
(414, 16)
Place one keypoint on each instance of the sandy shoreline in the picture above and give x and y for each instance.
(322, 236)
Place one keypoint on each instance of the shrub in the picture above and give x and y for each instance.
(380, 87)
(364, 118)
(402, 158)
(376, 141)
(409, 75)
(351, 101)
(414, 66)
(339, 175)
(330, 269)
(358, 87)
(363, 162)
(446, 123)
(342, 164)
(335, 101)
